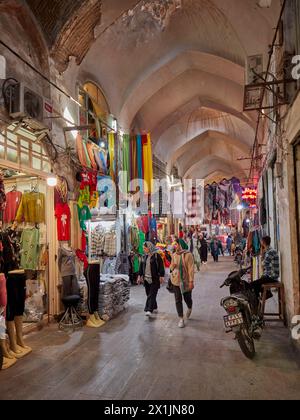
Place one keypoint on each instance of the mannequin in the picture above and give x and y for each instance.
(8, 359)
(93, 282)
(16, 295)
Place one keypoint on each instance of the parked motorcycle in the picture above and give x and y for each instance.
(243, 312)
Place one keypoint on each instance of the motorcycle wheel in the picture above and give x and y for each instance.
(246, 343)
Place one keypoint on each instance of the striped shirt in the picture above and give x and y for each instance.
(271, 264)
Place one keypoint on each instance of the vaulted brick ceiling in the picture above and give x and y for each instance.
(68, 27)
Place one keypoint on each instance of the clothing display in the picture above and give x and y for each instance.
(109, 266)
(122, 264)
(84, 215)
(66, 262)
(13, 201)
(32, 208)
(63, 216)
(113, 296)
(16, 295)
(30, 249)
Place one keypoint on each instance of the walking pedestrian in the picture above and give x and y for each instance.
(203, 250)
(182, 269)
(152, 274)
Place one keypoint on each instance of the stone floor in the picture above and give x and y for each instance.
(134, 358)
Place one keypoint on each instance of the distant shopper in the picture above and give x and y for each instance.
(152, 274)
(229, 244)
(203, 250)
(182, 277)
(215, 248)
(196, 250)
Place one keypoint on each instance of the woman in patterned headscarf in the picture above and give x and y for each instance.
(152, 274)
(182, 269)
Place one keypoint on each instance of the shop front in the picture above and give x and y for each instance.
(28, 243)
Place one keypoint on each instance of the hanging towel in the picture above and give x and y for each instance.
(126, 162)
(90, 150)
(148, 165)
(80, 151)
(140, 161)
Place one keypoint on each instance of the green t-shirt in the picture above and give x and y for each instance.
(142, 239)
(84, 214)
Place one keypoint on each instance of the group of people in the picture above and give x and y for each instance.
(152, 274)
(182, 269)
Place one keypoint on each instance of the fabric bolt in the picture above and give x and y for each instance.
(87, 158)
(63, 216)
(80, 151)
(13, 201)
(30, 249)
(90, 149)
(93, 282)
(16, 295)
(32, 208)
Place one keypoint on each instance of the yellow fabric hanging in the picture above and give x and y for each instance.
(148, 165)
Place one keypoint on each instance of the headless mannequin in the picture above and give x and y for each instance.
(93, 275)
(18, 348)
(8, 359)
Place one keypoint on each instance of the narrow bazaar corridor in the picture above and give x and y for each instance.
(134, 358)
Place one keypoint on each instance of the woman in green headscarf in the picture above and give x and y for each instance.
(182, 269)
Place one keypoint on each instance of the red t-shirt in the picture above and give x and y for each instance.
(93, 182)
(63, 215)
(13, 200)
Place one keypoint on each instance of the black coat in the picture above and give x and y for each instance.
(157, 268)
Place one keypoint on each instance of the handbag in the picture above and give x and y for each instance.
(170, 287)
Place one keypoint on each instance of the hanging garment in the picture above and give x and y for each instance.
(142, 237)
(32, 208)
(148, 164)
(90, 149)
(139, 151)
(63, 216)
(13, 200)
(101, 160)
(84, 215)
(29, 249)
(111, 149)
(126, 163)
(80, 151)
(87, 158)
